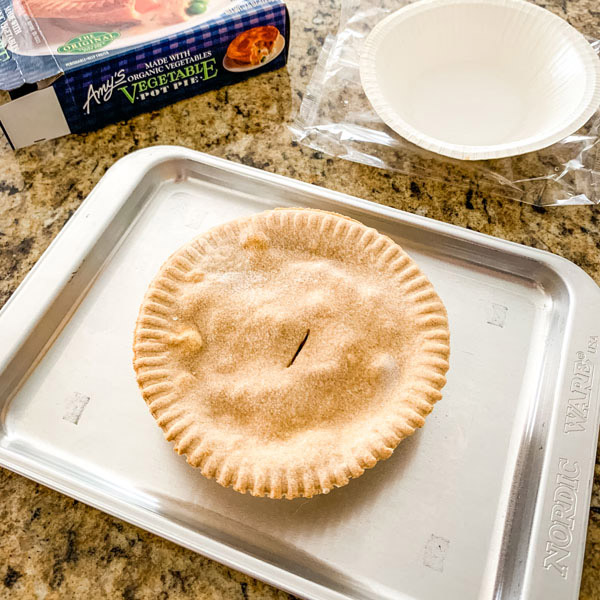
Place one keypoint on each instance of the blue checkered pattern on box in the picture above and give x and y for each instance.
(215, 35)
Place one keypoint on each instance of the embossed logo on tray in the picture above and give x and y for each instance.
(564, 508)
(580, 389)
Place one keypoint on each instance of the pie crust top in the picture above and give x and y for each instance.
(286, 352)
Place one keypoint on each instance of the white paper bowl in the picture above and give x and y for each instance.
(477, 79)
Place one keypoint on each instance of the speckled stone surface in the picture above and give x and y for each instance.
(55, 547)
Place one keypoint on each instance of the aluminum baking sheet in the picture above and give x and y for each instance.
(489, 500)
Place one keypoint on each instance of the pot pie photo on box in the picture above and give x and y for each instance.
(253, 48)
(286, 352)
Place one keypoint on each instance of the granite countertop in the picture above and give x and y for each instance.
(55, 547)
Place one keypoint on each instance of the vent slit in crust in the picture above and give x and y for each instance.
(299, 348)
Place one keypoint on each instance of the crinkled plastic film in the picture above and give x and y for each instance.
(336, 118)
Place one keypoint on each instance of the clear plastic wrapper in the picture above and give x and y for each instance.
(335, 117)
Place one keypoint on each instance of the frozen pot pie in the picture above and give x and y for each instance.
(286, 352)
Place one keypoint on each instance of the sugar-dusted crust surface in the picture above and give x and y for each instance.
(287, 352)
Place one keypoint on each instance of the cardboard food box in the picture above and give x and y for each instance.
(76, 65)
